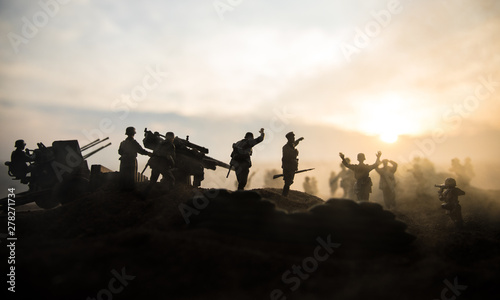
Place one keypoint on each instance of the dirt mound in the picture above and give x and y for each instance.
(296, 201)
(241, 245)
(365, 227)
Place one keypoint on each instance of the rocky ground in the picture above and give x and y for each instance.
(217, 244)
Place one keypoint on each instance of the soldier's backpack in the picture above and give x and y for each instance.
(241, 151)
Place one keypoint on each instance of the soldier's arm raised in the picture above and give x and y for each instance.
(394, 166)
(258, 139)
(344, 161)
(377, 162)
(298, 141)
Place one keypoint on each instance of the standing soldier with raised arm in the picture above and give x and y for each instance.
(363, 185)
(289, 161)
(388, 182)
(240, 157)
(128, 160)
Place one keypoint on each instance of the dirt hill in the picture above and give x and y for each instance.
(216, 244)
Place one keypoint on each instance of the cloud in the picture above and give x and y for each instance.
(264, 56)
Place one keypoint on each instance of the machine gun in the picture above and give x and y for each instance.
(58, 174)
(191, 159)
(151, 140)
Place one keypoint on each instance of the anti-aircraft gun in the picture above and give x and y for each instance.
(190, 160)
(58, 174)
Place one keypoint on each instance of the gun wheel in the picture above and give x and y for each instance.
(69, 190)
(46, 201)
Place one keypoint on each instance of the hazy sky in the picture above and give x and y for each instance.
(340, 73)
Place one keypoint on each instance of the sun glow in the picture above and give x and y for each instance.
(389, 137)
(389, 118)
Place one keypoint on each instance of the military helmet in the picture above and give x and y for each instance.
(361, 156)
(249, 135)
(170, 134)
(19, 143)
(290, 135)
(130, 130)
(450, 182)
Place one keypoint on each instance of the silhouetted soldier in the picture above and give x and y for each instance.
(128, 160)
(347, 180)
(464, 172)
(162, 161)
(289, 161)
(469, 170)
(307, 185)
(363, 184)
(449, 193)
(240, 157)
(310, 186)
(388, 182)
(188, 162)
(421, 179)
(19, 162)
(333, 183)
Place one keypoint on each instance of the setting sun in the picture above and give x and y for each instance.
(389, 117)
(389, 137)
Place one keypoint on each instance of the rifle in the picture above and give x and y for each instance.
(296, 172)
(229, 170)
(145, 167)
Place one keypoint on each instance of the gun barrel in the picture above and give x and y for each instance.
(82, 148)
(92, 144)
(209, 161)
(95, 151)
(296, 172)
(197, 147)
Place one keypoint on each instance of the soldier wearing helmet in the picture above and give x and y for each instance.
(388, 182)
(363, 184)
(289, 161)
(162, 162)
(19, 160)
(240, 157)
(128, 159)
(449, 193)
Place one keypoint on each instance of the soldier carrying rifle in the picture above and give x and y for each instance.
(289, 161)
(449, 193)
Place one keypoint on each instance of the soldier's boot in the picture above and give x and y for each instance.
(286, 189)
(152, 181)
(241, 184)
